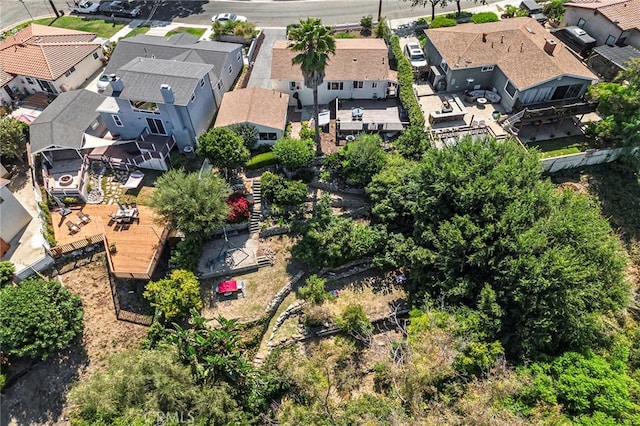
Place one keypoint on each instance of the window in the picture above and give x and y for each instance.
(29, 80)
(487, 68)
(510, 89)
(358, 84)
(219, 85)
(69, 71)
(294, 85)
(116, 119)
(155, 126)
(581, 23)
(267, 136)
(230, 69)
(193, 97)
(374, 85)
(95, 125)
(239, 56)
(610, 40)
(444, 66)
(95, 55)
(335, 85)
(143, 106)
(202, 83)
(46, 86)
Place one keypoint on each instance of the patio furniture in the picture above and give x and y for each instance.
(83, 217)
(73, 228)
(357, 113)
(481, 102)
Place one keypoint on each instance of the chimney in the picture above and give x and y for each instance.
(117, 85)
(167, 94)
(549, 46)
(484, 37)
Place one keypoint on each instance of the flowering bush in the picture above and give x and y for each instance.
(240, 208)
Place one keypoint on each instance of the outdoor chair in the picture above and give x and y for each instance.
(73, 228)
(83, 217)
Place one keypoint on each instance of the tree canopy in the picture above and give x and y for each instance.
(361, 159)
(38, 317)
(223, 147)
(13, 134)
(484, 219)
(293, 153)
(248, 133)
(175, 295)
(190, 202)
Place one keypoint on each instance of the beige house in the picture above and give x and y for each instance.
(265, 109)
(358, 70)
(47, 59)
(610, 22)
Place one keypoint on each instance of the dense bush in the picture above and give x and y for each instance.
(314, 291)
(282, 192)
(38, 317)
(405, 79)
(441, 22)
(239, 208)
(175, 295)
(359, 160)
(261, 160)
(187, 253)
(484, 17)
(294, 154)
(7, 269)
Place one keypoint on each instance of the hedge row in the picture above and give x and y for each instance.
(405, 79)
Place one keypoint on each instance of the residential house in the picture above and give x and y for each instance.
(13, 216)
(160, 97)
(516, 60)
(609, 61)
(47, 59)
(610, 22)
(225, 58)
(358, 70)
(264, 109)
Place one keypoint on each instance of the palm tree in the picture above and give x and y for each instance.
(314, 42)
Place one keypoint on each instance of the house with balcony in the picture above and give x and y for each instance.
(264, 109)
(610, 22)
(358, 70)
(46, 59)
(225, 58)
(515, 62)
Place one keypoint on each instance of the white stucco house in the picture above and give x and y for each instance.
(13, 216)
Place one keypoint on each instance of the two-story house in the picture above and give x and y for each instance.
(46, 59)
(358, 70)
(610, 22)
(516, 59)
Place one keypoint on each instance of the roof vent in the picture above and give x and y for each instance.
(355, 59)
(484, 37)
(530, 30)
(549, 46)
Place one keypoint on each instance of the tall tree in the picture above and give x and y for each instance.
(223, 147)
(38, 317)
(192, 203)
(13, 134)
(314, 43)
(488, 230)
(175, 295)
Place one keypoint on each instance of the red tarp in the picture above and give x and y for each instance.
(227, 286)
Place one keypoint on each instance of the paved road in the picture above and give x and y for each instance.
(264, 13)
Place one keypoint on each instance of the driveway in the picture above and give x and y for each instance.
(261, 72)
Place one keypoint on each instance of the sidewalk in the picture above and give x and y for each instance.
(159, 28)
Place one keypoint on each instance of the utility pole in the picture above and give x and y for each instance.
(53, 6)
(379, 10)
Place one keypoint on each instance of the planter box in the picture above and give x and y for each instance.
(234, 39)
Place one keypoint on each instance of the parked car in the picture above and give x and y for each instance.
(224, 17)
(103, 82)
(415, 54)
(119, 8)
(85, 7)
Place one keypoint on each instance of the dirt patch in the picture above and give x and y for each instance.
(261, 286)
(39, 397)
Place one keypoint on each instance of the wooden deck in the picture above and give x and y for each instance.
(138, 248)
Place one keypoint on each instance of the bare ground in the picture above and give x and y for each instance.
(39, 397)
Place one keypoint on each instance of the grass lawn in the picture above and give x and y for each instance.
(100, 27)
(350, 34)
(198, 32)
(142, 29)
(560, 146)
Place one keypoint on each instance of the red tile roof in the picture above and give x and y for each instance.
(624, 13)
(45, 52)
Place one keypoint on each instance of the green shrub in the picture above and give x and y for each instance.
(441, 22)
(282, 192)
(366, 22)
(405, 79)
(454, 15)
(187, 253)
(261, 160)
(354, 321)
(314, 291)
(6, 272)
(484, 17)
(422, 20)
(306, 132)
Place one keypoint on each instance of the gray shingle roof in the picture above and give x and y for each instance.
(185, 47)
(618, 55)
(142, 78)
(64, 121)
